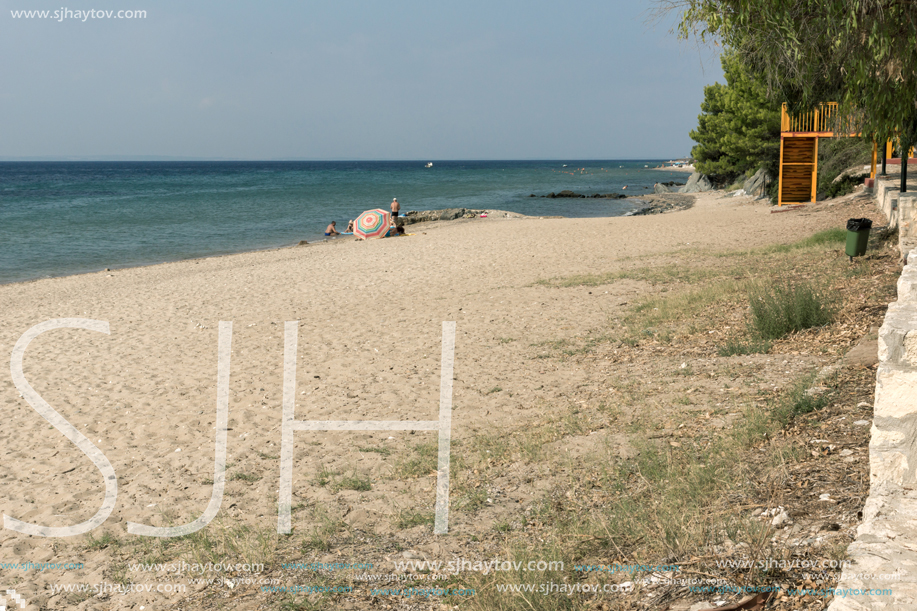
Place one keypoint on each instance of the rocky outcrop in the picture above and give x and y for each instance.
(857, 172)
(696, 183)
(667, 187)
(756, 186)
(447, 214)
(580, 195)
(451, 214)
(665, 202)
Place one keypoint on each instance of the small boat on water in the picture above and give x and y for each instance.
(429, 164)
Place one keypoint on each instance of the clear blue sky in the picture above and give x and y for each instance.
(349, 80)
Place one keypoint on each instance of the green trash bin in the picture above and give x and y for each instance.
(857, 237)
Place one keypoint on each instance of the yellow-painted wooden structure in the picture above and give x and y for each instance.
(799, 136)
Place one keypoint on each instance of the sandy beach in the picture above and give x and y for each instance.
(370, 317)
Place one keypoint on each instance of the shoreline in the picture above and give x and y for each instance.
(492, 214)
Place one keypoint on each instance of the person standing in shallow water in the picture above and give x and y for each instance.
(396, 208)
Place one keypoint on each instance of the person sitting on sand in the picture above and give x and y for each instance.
(330, 230)
(349, 227)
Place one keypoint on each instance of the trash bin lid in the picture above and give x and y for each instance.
(858, 224)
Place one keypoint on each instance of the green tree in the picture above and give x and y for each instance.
(739, 129)
(862, 53)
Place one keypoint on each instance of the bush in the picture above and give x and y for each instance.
(842, 187)
(836, 155)
(783, 308)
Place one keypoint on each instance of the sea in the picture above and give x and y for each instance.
(62, 218)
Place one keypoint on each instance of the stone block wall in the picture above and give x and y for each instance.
(907, 221)
(901, 211)
(884, 555)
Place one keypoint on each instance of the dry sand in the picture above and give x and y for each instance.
(369, 348)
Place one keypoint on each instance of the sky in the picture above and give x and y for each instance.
(369, 79)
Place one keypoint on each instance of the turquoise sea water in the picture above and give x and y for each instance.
(60, 218)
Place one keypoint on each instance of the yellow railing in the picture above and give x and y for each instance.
(814, 121)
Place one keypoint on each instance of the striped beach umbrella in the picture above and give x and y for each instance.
(372, 224)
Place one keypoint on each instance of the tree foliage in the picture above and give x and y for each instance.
(739, 130)
(862, 53)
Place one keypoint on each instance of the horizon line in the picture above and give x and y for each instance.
(137, 158)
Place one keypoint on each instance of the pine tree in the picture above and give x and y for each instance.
(739, 130)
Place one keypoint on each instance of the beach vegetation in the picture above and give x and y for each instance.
(782, 307)
(410, 518)
(419, 462)
(739, 348)
(219, 543)
(336, 482)
(324, 476)
(834, 237)
(291, 603)
(828, 237)
(318, 535)
(661, 505)
(354, 482)
(654, 275)
(472, 501)
(75, 598)
(106, 540)
(382, 451)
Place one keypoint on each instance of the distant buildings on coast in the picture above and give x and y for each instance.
(678, 164)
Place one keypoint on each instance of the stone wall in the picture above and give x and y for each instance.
(901, 211)
(884, 554)
(907, 221)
